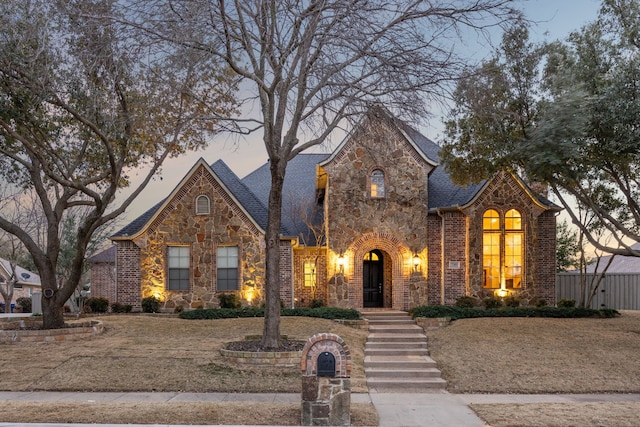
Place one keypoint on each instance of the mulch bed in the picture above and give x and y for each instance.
(256, 346)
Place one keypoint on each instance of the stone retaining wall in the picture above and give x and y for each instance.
(10, 333)
(264, 358)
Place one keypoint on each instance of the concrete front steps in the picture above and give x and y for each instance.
(396, 357)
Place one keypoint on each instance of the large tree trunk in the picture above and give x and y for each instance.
(52, 313)
(271, 332)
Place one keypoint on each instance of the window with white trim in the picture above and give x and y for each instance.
(227, 275)
(203, 205)
(178, 260)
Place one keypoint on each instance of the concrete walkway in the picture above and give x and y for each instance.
(436, 409)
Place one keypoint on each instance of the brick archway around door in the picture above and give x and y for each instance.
(400, 257)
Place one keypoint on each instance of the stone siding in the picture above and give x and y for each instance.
(394, 224)
(177, 224)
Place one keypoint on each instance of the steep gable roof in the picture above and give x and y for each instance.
(299, 189)
(227, 179)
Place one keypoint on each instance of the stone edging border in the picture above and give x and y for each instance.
(264, 358)
(90, 329)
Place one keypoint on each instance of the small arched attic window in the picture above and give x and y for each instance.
(377, 183)
(203, 206)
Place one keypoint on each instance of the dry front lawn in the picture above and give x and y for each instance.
(520, 355)
(147, 353)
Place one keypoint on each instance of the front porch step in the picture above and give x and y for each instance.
(401, 345)
(390, 384)
(402, 372)
(396, 352)
(397, 338)
(395, 329)
(396, 355)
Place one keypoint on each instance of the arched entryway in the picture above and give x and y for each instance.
(373, 279)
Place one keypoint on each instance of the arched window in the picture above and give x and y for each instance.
(502, 249)
(491, 249)
(377, 183)
(513, 249)
(203, 207)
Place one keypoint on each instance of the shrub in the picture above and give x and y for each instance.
(512, 301)
(539, 302)
(97, 304)
(492, 302)
(231, 300)
(229, 313)
(25, 304)
(150, 305)
(433, 311)
(566, 303)
(117, 307)
(317, 303)
(466, 302)
(178, 309)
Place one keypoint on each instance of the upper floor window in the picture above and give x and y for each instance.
(377, 183)
(178, 260)
(203, 207)
(502, 249)
(227, 268)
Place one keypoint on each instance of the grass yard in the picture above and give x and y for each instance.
(493, 355)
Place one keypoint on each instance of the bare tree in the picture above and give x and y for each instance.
(310, 65)
(308, 220)
(83, 103)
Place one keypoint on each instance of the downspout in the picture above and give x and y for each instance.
(115, 272)
(442, 263)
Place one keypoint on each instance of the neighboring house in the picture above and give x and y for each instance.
(376, 223)
(102, 268)
(27, 281)
(620, 263)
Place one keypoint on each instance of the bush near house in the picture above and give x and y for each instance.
(435, 311)
(230, 300)
(228, 313)
(25, 304)
(150, 305)
(117, 307)
(97, 304)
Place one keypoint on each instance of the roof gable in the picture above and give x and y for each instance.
(239, 194)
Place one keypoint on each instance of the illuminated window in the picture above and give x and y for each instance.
(502, 249)
(377, 183)
(178, 260)
(371, 256)
(203, 207)
(227, 268)
(309, 274)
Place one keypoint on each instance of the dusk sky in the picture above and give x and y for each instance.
(556, 19)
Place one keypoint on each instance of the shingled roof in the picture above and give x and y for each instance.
(299, 191)
(247, 199)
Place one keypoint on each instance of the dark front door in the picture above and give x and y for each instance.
(372, 270)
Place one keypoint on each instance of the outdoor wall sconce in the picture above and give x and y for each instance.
(341, 263)
(416, 262)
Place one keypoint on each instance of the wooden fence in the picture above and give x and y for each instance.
(620, 291)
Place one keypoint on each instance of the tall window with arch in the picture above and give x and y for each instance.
(377, 183)
(502, 249)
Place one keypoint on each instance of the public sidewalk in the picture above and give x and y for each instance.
(436, 409)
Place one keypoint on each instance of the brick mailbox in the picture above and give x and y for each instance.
(326, 383)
